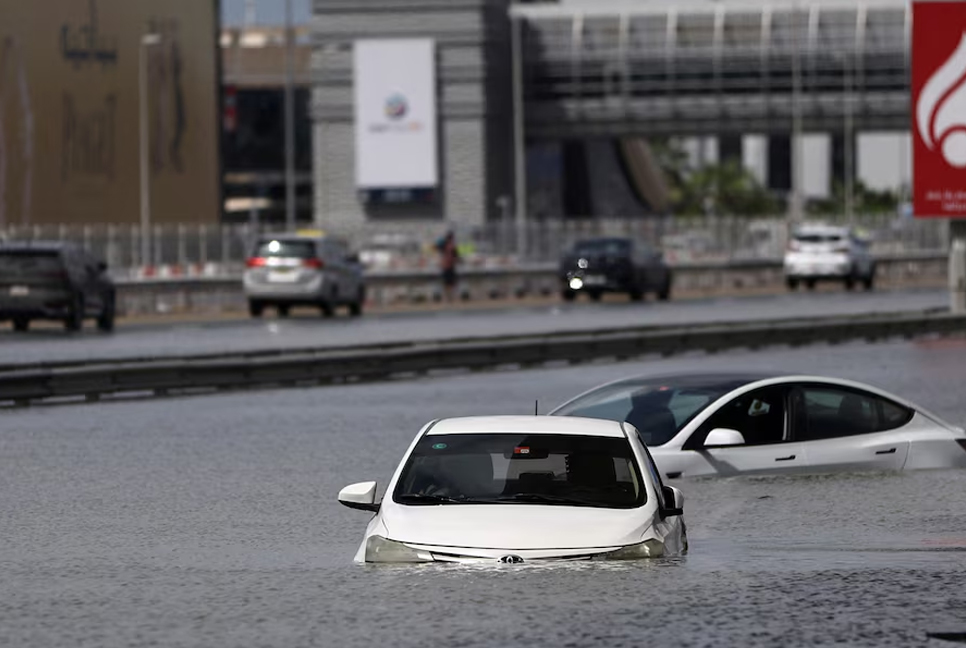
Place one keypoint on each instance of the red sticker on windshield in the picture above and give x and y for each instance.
(521, 450)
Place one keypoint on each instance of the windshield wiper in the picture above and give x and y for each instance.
(428, 499)
(544, 497)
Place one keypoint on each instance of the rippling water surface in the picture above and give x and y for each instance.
(213, 522)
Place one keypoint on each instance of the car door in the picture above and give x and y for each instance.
(761, 417)
(844, 429)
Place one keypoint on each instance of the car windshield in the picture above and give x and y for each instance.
(563, 470)
(29, 263)
(658, 408)
(285, 248)
(602, 247)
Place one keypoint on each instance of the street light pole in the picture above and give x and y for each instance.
(289, 120)
(147, 40)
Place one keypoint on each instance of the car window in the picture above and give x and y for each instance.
(818, 238)
(657, 409)
(822, 412)
(572, 470)
(606, 247)
(759, 415)
(29, 264)
(285, 249)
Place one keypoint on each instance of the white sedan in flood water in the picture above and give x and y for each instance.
(516, 489)
(743, 424)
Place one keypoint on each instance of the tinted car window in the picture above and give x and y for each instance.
(286, 249)
(569, 470)
(759, 415)
(819, 238)
(28, 264)
(828, 413)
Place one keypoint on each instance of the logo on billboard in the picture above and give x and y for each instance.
(941, 108)
(396, 107)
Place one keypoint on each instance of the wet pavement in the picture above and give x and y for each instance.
(309, 330)
(212, 521)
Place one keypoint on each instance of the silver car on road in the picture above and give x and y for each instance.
(288, 270)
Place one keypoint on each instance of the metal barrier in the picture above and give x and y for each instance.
(218, 294)
(22, 386)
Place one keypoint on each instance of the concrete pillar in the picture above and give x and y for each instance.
(957, 266)
(730, 148)
(780, 162)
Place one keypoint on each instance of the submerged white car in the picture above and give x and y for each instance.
(516, 489)
(742, 424)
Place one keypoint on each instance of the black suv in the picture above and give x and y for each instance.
(622, 265)
(58, 281)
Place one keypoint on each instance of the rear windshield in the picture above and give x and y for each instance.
(286, 249)
(29, 263)
(819, 238)
(564, 470)
(609, 247)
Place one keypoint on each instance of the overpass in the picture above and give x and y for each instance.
(692, 68)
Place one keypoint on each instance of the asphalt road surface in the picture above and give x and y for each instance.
(212, 521)
(311, 330)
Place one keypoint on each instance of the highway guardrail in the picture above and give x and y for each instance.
(24, 385)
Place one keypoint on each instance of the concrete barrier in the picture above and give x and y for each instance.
(217, 294)
(23, 385)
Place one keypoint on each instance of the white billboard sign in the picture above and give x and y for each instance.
(395, 114)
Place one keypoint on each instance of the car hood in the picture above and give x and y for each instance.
(516, 526)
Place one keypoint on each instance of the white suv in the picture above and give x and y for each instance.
(288, 270)
(824, 252)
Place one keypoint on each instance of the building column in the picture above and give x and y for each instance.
(730, 148)
(780, 162)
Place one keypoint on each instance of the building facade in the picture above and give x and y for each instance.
(474, 116)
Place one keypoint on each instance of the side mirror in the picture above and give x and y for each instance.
(673, 502)
(101, 266)
(352, 258)
(361, 496)
(723, 438)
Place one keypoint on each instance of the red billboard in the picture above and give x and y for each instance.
(939, 108)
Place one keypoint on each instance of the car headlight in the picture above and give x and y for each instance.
(576, 283)
(379, 549)
(647, 549)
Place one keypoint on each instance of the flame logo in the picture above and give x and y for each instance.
(941, 110)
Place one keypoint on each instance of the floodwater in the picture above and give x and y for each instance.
(212, 521)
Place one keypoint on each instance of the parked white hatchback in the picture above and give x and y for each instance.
(819, 252)
(516, 489)
(756, 424)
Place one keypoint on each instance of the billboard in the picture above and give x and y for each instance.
(939, 108)
(70, 106)
(395, 119)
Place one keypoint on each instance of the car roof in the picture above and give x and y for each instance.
(807, 228)
(695, 378)
(39, 246)
(527, 425)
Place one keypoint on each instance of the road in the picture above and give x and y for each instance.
(212, 521)
(154, 340)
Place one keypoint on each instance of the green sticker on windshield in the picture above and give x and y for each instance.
(439, 446)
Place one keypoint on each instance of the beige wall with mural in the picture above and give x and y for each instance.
(69, 127)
